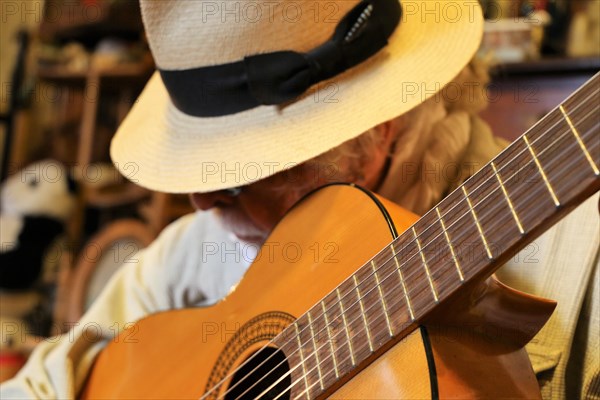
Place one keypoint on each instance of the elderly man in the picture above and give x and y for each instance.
(257, 104)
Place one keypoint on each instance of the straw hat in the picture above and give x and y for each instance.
(246, 89)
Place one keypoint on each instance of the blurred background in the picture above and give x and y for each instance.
(71, 69)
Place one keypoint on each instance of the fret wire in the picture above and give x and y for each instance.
(304, 374)
(581, 144)
(501, 168)
(521, 152)
(362, 310)
(581, 97)
(447, 279)
(585, 124)
(533, 195)
(581, 119)
(316, 352)
(334, 358)
(507, 197)
(485, 243)
(555, 171)
(395, 257)
(458, 269)
(383, 302)
(341, 303)
(326, 373)
(435, 295)
(438, 212)
(378, 317)
(378, 314)
(371, 309)
(541, 170)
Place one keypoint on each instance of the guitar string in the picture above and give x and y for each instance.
(472, 193)
(561, 137)
(513, 174)
(521, 153)
(492, 178)
(378, 324)
(381, 322)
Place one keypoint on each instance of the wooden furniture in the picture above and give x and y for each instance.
(12, 153)
(521, 93)
(86, 89)
(79, 97)
(114, 245)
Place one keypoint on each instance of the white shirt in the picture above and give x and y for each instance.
(194, 262)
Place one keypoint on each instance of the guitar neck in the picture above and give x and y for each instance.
(532, 184)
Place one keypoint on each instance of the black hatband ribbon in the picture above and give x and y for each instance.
(282, 76)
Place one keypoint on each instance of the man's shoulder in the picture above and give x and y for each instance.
(194, 224)
(188, 233)
(197, 259)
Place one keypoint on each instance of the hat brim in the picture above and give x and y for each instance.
(163, 149)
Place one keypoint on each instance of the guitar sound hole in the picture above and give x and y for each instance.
(257, 375)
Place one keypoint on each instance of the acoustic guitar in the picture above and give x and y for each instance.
(352, 309)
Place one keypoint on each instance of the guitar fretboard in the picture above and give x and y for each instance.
(546, 172)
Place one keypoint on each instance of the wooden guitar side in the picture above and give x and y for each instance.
(320, 243)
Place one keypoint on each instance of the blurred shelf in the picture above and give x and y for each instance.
(549, 66)
(85, 93)
(115, 196)
(130, 73)
(89, 21)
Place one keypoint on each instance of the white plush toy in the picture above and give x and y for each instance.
(36, 203)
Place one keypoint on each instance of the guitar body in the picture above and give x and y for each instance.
(322, 241)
